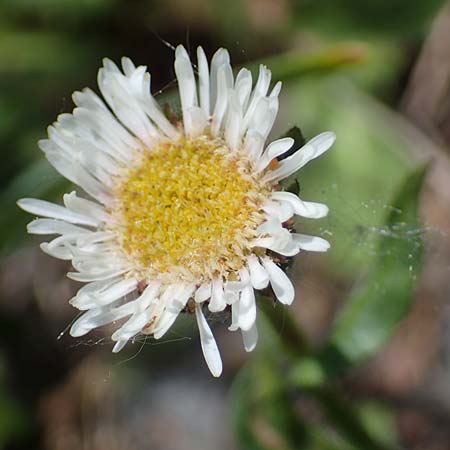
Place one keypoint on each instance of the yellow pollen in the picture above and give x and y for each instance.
(189, 210)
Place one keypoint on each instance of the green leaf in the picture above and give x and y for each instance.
(369, 317)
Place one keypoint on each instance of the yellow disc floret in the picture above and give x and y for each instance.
(189, 210)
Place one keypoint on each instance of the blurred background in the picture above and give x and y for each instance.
(362, 358)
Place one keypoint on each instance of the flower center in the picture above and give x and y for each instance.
(189, 210)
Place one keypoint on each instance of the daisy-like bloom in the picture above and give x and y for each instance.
(182, 215)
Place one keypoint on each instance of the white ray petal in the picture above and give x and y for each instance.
(102, 127)
(132, 326)
(71, 169)
(282, 211)
(127, 66)
(237, 286)
(312, 149)
(250, 338)
(86, 207)
(279, 236)
(153, 110)
(94, 239)
(119, 93)
(186, 84)
(174, 307)
(140, 304)
(59, 252)
(105, 295)
(47, 209)
(220, 59)
(276, 89)
(87, 277)
(203, 293)
(243, 87)
(83, 296)
(247, 308)
(94, 262)
(217, 302)
(263, 82)
(221, 104)
(119, 290)
(258, 275)
(231, 297)
(97, 317)
(203, 81)
(253, 145)
(273, 150)
(55, 226)
(195, 121)
(264, 116)
(280, 282)
(158, 308)
(270, 226)
(119, 346)
(260, 91)
(208, 343)
(310, 210)
(233, 133)
(311, 243)
(290, 248)
(234, 316)
(91, 319)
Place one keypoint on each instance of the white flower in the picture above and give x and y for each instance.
(182, 216)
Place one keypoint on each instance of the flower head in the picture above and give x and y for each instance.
(183, 215)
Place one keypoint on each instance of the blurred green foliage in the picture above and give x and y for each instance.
(367, 320)
(271, 411)
(13, 419)
(379, 17)
(370, 314)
